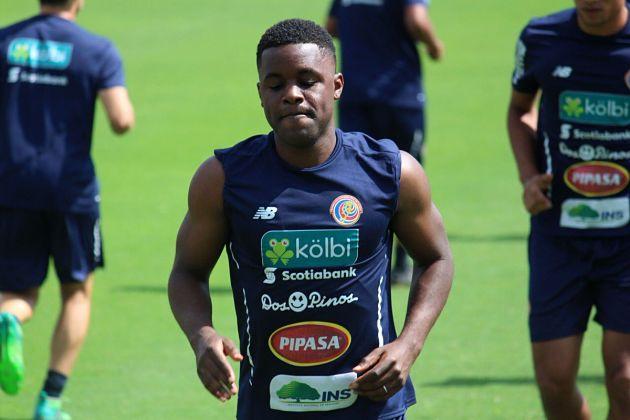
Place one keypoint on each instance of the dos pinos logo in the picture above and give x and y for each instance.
(346, 210)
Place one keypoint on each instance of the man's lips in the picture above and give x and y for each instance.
(591, 10)
(298, 114)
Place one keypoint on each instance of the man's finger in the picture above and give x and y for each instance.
(538, 202)
(368, 361)
(386, 377)
(544, 181)
(381, 393)
(212, 367)
(230, 349)
(210, 382)
(373, 378)
(227, 373)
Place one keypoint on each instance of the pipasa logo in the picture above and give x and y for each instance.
(38, 54)
(311, 393)
(346, 210)
(309, 343)
(596, 179)
(595, 108)
(309, 248)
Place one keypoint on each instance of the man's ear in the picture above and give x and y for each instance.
(338, 82)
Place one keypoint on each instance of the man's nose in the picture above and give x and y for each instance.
(293, 94)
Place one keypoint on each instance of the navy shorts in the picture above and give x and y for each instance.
(29, 238)
(405, 126)
(569, 276)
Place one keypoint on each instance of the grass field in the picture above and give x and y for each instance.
(191, 74)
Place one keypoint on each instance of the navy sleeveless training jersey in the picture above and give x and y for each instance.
(584, 123)
(380, 61)
(50, 73)
(309, 254)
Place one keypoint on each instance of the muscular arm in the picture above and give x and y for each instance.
(420, 29)
(118, 108)
(201, 239)
(522, 120)
(418, 225)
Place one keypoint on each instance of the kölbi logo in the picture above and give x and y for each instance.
(595, 108)
(36, 54)
(309, 248)
(311, 393)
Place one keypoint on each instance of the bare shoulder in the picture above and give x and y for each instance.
(206, 187)
(414, 186)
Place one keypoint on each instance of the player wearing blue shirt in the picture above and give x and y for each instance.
(573, 158)
(306, 215)
(51, 73)
(383, 93)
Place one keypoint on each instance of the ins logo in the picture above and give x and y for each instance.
(346, 210)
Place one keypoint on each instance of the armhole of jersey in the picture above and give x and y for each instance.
(397, 174)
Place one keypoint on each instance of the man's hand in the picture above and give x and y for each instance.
(534, 193)
(385, 371)
(216, 374)
(435, 50)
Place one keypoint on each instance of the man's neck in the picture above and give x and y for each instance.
(69, 14)
(608, 28)
(311, 156)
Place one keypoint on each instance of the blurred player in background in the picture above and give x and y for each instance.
(573, 158)
(305, 214)
(383, 95)
(51, 73)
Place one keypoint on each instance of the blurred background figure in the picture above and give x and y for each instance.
(573, 156)
(383, 94)
(51, 72)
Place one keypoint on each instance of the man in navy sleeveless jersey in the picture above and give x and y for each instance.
(306, 215)
(51, 72)
(573, 158)
(383, 94)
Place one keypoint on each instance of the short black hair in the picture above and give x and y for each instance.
(58, 3)
(295, 31)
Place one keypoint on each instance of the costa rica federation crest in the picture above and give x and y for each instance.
(346, 210)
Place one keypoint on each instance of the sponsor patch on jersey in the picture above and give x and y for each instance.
(595, 214)
(588, 152)
(311, 393)
(299, 302)
(309, 248)
(346, 210)
(595, 108)
(36, 54)
(310, 343)
(596, 179)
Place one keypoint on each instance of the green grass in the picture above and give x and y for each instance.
(191, 74)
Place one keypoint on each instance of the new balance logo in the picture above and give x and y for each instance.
(562, 72)
(265, 213)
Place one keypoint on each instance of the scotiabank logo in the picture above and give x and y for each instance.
(309, 343)
(596, 179)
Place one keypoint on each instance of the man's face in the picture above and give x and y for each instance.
(297, 89)
(598, 13)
